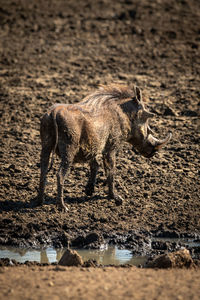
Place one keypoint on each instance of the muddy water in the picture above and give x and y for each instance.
(107, 255)
(110, 255)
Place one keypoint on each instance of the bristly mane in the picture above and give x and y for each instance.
(109, 94)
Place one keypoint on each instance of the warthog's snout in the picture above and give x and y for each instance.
(155, 145)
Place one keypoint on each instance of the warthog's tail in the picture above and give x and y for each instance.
(53, 115)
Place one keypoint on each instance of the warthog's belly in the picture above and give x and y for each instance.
(82, 156)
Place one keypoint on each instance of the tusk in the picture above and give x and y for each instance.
(162, 143)
(158, 144)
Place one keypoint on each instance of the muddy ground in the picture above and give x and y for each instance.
(59, 51)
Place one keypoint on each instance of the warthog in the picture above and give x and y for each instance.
(93, 129)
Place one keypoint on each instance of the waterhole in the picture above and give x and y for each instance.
(107, 255)
(112, 255)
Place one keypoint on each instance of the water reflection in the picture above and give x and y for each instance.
(110, 255)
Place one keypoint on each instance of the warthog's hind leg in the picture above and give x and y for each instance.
(94, 166)
(44, 162)
(67, 155)
(64, 168)
(109, 166)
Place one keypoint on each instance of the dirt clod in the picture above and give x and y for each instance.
(178, 259)
(70, 258)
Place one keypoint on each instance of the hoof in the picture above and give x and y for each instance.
(89, 190)
(39, 202)
(62, 208)
(118, 199)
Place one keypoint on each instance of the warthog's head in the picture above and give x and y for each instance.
(141, 136)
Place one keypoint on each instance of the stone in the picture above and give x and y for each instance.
(70, 258)
(178, 259)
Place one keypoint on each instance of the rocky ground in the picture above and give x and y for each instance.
(58, 51)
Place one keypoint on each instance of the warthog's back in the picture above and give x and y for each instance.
(75, 126)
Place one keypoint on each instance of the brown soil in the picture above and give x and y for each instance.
(110, 283)
(58, 51)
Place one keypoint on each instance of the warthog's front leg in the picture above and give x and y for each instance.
(44, 162)
(94, 166)
(109, 165)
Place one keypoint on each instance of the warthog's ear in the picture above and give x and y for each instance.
(138, 94)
